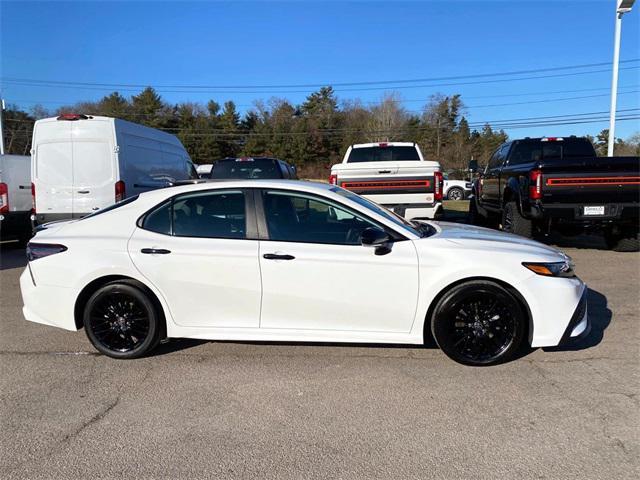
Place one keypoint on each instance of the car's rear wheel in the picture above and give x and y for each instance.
(514, 222)
(478, 323)
(455, 193)
(121, 321)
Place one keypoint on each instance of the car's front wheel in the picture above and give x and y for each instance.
(121, 321)
(478, 323)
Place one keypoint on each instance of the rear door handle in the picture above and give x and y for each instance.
(384, 171)
(84, 191)
(277, 256)
(155, 251)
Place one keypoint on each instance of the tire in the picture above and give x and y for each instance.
(489, 337)
(121, 321)
(623, 242)
(455, 193)
(514, 222)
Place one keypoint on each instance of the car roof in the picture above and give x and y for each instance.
(209, 184)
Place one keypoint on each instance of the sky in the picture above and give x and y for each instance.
(175, 46)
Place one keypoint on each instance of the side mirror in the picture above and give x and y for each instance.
(473, 166)
(378, 238)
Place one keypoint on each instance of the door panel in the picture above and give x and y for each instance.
(54, 178)
(94, 176)
(329, 281)
(206, 281)
(339, 287)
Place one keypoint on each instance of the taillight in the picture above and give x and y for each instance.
(333, 179)
(41, 250)
(4, 198)
(535, 184)
(120, 191)
(33, 198)
(438, 181)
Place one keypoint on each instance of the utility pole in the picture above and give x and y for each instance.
(1, 128)
(622, 7)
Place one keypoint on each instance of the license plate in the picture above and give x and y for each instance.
(429, 198)
(594, 210)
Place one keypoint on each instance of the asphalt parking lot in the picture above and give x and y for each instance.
(266, 410)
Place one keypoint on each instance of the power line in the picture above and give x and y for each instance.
(49, 84)
(338, 84)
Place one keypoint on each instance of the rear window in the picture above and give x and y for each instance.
(525, 152)
(246, 168)
(122, 203)
(382, 154)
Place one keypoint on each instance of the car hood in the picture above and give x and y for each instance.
(479, 237)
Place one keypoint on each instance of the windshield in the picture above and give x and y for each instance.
(411, 227)
(383, 154)
(246, 168)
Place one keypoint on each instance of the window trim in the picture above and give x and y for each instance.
(251, 226)
(264, 229)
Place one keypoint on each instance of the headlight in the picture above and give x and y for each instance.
(553, 269)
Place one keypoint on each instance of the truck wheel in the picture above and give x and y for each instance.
(623, 242)
(455, 193)
(514, 222)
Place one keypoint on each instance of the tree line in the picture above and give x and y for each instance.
(312, 135)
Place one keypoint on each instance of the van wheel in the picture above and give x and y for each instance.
(121, 321)
(514, 222)
(623, 242)
(478, 323)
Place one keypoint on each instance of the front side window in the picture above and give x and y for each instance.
(206, 214)
(307, 219)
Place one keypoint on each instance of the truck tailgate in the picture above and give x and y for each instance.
(372, 178)
(603, 180)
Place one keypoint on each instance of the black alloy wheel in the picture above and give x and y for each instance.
(514, 222)
(479, 323)
(121, 321)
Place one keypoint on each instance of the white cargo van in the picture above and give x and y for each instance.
(15, 197)
(80, 164)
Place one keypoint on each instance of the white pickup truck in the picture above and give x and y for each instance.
(393, 174)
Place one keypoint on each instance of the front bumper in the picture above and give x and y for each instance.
(579, 326)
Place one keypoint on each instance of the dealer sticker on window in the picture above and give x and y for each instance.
(599, 210)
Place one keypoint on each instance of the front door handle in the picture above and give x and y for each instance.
(384, 171)
(277, 256)
(155, 251)
(84, 191)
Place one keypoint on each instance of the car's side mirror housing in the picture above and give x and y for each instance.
(378, 238)
(473, 166)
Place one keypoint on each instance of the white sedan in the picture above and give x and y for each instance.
(295, 261)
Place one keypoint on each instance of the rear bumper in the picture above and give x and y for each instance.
(47, 304)
(574, 212)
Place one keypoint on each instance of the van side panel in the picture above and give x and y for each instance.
(149, 158)
(15, 171)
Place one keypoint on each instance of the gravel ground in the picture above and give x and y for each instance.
(277, 410)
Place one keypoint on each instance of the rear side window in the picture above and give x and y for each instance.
(246, 168)
(159, 220)
(383, 154)
(219, 214)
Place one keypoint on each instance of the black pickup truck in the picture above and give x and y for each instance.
(538, 184)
